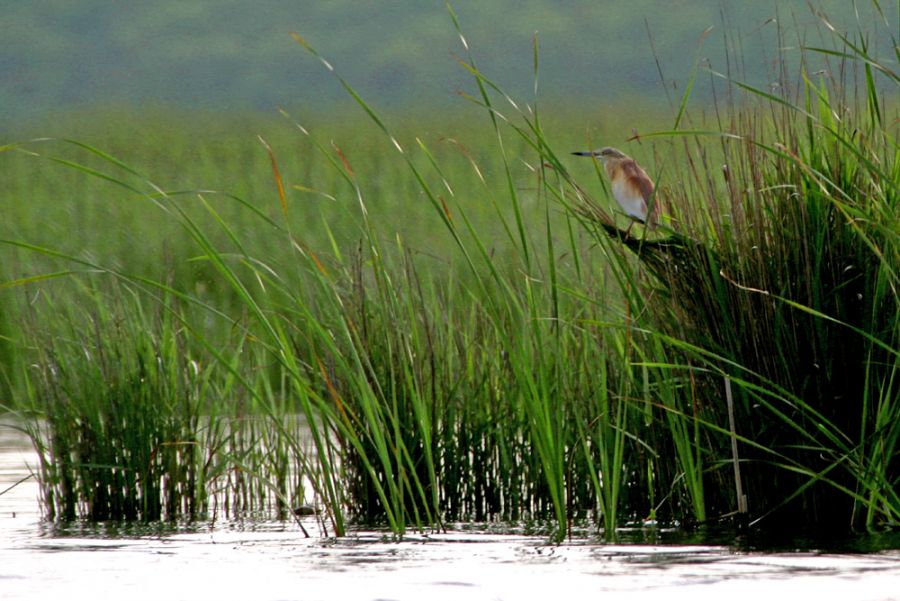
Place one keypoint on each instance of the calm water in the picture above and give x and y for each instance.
(273, 561)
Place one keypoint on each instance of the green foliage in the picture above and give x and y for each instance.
(419, 330)
(124, 431)
(781, 265)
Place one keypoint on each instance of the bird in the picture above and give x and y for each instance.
(631, 186)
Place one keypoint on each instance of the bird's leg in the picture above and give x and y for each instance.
(628, 229)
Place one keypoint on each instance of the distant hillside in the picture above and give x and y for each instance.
(58, 54)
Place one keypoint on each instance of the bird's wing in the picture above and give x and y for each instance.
(637, 178)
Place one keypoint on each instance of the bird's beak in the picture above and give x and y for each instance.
(585, 153)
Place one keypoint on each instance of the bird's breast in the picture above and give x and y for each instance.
(630, 198)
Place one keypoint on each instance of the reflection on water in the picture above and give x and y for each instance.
(266, 560)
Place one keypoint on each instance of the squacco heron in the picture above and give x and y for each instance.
(631, 186)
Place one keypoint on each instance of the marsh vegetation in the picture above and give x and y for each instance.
(413, 329)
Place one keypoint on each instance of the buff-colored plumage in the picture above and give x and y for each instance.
(631, 186)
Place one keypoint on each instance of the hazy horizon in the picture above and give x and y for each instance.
(202, 55)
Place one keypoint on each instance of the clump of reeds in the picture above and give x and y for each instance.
(121, 421)
(779, 273)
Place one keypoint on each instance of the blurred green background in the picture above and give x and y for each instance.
(181, 90)
(59, 55)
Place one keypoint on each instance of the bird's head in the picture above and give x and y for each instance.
(607, 153)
